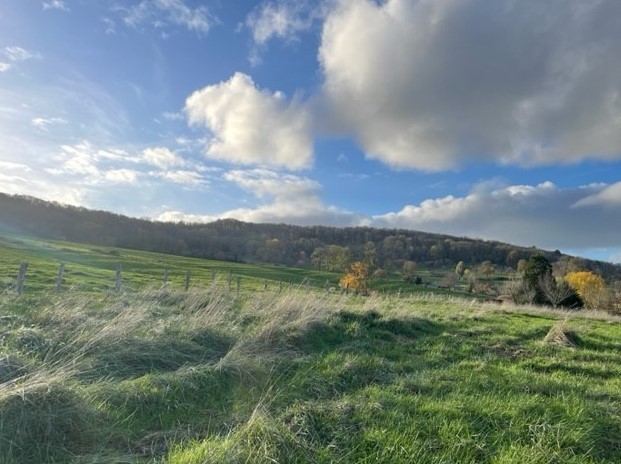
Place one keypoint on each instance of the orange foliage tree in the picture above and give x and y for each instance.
(357, 278)
(589, 286)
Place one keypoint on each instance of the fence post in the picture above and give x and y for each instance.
(165, 278)
(187, 280)
(228, 280)
(280, 286)
(213, 275)
(21, 277)
(59, 278)
(118, 278)
(238, 284)
(265, 285)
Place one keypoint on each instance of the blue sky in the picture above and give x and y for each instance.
(493, 119)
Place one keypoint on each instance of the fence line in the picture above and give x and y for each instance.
(120, 284)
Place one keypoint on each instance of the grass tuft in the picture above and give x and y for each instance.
(558, 335)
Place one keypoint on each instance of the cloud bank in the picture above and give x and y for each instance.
(542, 215)
(433, 84)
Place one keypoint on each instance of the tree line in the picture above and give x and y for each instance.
(322, 247)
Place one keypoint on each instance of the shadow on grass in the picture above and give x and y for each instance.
(346, 327)
(135, 357)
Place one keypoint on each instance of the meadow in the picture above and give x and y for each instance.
(295, 375)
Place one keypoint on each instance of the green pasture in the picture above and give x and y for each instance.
(91, 268)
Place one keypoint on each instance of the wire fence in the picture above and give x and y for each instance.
(125, 279)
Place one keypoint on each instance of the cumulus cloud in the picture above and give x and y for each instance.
(431, 84)
(284, 198)
(252, 126)
(161, 13)
(542, 215)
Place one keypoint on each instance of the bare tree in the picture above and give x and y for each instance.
(555, 292)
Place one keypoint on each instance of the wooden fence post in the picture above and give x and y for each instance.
(213, 275)
(265, 285)
(238, 284)
(59, 278)
(187, 281)
(118, 278)
(228, 280)
(21, 277)
(165, 278)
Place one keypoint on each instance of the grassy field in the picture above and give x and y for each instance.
(90, 268)
(161, 375)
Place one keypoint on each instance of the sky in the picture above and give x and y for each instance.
(492, 119)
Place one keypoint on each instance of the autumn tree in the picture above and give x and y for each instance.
(486, 268)
(460, 268)
(356, 278)
(589, 286)
(370, 256)
(407, 271)
(332, 258)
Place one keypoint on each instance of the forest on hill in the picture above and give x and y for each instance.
(303, 246)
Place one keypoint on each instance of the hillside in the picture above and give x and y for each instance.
(288, 373)
(262, 243)
(206, 376)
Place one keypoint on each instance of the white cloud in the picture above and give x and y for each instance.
(121, 176)
(110, 26)
(16, 54)
(160, 13)
(252, 126)
(173, 116)
(282, 20)
(5, 66)
(184, 177)
(55, 5)
(45, 123)
(542, 215)
(11, 166)
(609, 196)
(431, 84)
(284, 198)
(162, 157)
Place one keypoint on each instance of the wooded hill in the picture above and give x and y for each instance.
(290, 245)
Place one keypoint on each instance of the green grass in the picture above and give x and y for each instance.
(289, 375)
(203, 376)
(90, 268)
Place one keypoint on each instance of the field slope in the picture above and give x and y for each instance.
(203, 376)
